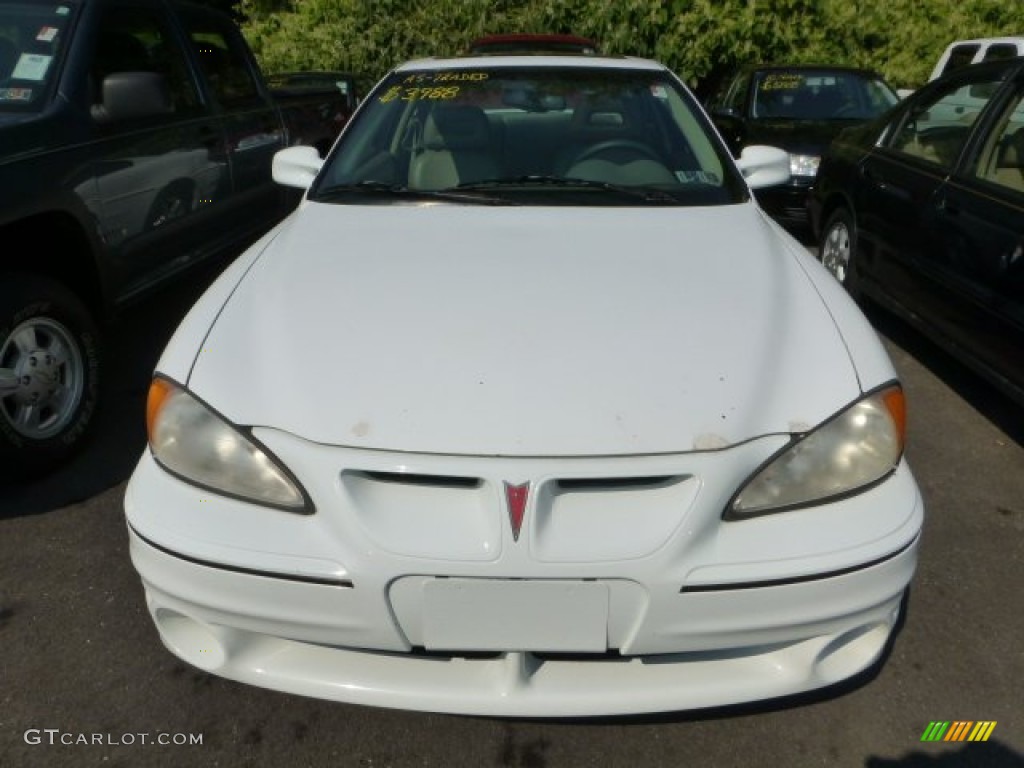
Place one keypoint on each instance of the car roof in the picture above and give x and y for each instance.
(310, 74)
(838, 68)
(1007, 66)
(533, 44)
(513, 61)
(1010, 39)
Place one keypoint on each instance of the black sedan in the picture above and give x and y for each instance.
(800, 108)
(923, 212)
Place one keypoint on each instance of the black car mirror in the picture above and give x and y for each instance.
(132, 95)
(732, 129)
(726, 112)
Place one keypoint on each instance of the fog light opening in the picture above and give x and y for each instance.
(192, 641)
(851, 652)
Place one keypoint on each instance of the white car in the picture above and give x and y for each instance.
(527, 410)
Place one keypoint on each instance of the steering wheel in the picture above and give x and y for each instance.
(612, 144)
(847, 110)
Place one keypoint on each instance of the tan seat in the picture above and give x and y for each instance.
(456, 148)
(1009, 170)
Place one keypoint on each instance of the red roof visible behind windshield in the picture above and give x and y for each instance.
(533, 44)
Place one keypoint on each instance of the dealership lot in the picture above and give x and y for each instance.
(86, 682)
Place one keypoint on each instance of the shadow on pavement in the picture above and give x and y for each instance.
(988, 754)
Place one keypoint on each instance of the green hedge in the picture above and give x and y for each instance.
(699, 39)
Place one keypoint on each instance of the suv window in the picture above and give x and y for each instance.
(223, 61)
(134, 39)
(33, 39)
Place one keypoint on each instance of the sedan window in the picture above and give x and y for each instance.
(936, 129)
(736, 97)
(1002, 158)
(537, 135)
(820, 95)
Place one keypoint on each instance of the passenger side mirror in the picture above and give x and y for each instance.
(764, 166)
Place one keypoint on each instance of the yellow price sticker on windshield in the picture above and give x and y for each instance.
(418, 92)
(782, 82)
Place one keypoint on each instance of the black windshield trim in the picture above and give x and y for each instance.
(645, 193)
(398, 192)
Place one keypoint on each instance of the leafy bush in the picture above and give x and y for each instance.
(699, 39)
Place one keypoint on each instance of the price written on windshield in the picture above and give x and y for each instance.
(415, 92)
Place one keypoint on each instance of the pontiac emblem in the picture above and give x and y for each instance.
(516, 496)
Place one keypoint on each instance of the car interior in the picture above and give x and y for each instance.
(463, 144)
(1007, 164)
(455, 148)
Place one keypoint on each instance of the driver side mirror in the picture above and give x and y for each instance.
(132, 96)
(296, 166)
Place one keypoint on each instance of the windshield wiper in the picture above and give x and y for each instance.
(398, 191)
(647, 194)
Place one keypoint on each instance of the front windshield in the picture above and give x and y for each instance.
(32, 38)
(820, 95)
(529, 134)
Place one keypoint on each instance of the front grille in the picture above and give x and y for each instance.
(436, 481)
(613, 483)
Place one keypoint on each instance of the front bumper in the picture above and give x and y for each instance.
(787, 203)
(336, 605)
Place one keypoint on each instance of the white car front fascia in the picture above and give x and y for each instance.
(759, 608)
(681, 347)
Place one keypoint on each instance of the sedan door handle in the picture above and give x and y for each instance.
(884, 186)
(942, 206)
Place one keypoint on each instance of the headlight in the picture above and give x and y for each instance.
(850, 452)
(804, 165)
(191, 441)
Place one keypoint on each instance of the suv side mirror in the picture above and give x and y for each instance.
(131, 95)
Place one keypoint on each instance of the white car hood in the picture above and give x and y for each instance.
(526, 331)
